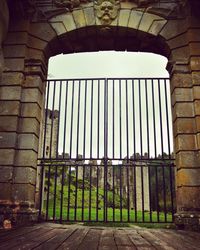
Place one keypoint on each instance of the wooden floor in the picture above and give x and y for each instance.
(51, 236)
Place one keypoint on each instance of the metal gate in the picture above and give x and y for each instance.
(107, 152)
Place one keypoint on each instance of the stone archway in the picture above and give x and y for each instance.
(42, 29)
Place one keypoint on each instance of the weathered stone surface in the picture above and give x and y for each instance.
(12, 78)
(135, 18)
(185, 142)
(182, 95)
(29, 125)
(31, 110)
(26, 158)
(14, 51)
(6, 174)
(8, 123)
(124, 15)
(183, 110)
(27, 141)
(79, 18)
(9, 107)
(89, 16)
(147, 21)
(23, 192)
(67, 20)
(10, 93)
(195, 63)
(184, 126)
(187, 159)
(32, 95)
(8, 140)
(24, 175)
(156, 27)
(188, 177)
(14, 64)
(7, 156)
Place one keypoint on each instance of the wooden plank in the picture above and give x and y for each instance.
(177, 239)
(122, 239)
(138, 240)
(159, 244)
(56, 241)
(91, 240)
(28, 243)
(74, 240)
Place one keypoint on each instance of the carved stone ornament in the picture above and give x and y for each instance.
(69, 4)
(107, 10)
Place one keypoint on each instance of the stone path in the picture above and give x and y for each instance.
(53, 236)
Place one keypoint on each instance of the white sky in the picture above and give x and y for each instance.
(107, 64)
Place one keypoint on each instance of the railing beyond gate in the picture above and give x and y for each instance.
(107, 151)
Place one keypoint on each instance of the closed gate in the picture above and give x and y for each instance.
(107, 152)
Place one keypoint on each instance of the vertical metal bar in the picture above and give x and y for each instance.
(48, 191)
(45, 124)
(97, 196)
(167, 118)
(164, 191)
(91, 121)
(113, 119)
(120, 119)
(157, 196)
(84, 126)
(120, 176)
(160, 111)
(98, 122)
(72, 119)
(55, 190)
(135, 191)
(59, 110)
(140, 115)
(69, 193)
(133, 96)
(150, 199)
(52, 119)
(41, 189)
(62, 193)
(90, 193)
(142, 185)
(128, 191)
(78, 118)
(65, 122)
(154, 124)
(172, 190)
(83, 193)
(127, 120)
(113, 182)
(147, 118)
(76, 194)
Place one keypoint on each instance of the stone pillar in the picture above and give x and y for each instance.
(4, 18)
(185, 105)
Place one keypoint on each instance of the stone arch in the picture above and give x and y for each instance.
(30, 43)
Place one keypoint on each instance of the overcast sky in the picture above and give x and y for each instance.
(107, 64)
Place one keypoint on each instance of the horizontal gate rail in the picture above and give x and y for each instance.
(107, 152)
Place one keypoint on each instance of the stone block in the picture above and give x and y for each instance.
(79, 18)
(194, 48)
(182, 95)
(14, 64)
(6, 174)
(179, 80)
(184, 126)
(179, 41)
(31, 110)
(23, 193)
(196, 92)
(27, 141)
(195, 78)
(147, 21)
(135, 18)
(183, 110)
(197, 107)
(26, 158)
(20, 25)
(10, 93)
(34, 82)
(9, 108)
(197, 118)
(7, 156)
(182, 53)
(8, 123)
(156, 27)
(8, 139)
(173, 28)
(29, 125)
(185, 142)
(188, 177)
(6, 193)
(67, 20)
(187, 159)
(89, 16)
(32, 95)
(14, 38)
(187, 199)
(11, 51)
(195, 63)
(12, 78)
(42, 31)
(37, 43)
(124, 17)
(24, 175)
(59, 28)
